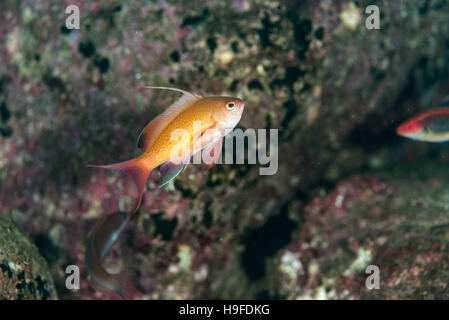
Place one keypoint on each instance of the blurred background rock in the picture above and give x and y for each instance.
(348, 191)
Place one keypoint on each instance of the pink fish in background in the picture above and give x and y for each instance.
(431, 126)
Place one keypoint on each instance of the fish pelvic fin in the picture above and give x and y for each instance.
(138, 168)
(171, 170)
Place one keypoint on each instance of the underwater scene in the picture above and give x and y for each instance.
(239, 149)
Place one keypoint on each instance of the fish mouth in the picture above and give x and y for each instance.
(403, 134)
(402, 131)
(408, 135)
(399, 132)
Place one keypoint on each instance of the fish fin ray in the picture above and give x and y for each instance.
(175, 89)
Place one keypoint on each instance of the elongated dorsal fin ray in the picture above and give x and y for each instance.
(152, 129)
(175, 89)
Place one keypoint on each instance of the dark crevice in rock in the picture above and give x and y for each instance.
(263, 242)
(195, 19)
(164, 227)
(87, 49)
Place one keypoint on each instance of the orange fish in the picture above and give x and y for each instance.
(192, 124)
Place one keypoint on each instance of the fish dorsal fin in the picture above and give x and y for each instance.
(152, 129)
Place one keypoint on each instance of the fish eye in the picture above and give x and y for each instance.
(230, 105)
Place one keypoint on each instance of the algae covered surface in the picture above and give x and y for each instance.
(348, 191)
(25, 273)
(399, 225)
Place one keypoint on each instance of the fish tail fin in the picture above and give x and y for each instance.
(138, 168)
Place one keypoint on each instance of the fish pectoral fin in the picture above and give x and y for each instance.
(171, 170)
(212, 153)
(154, 127)
(206, 135)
